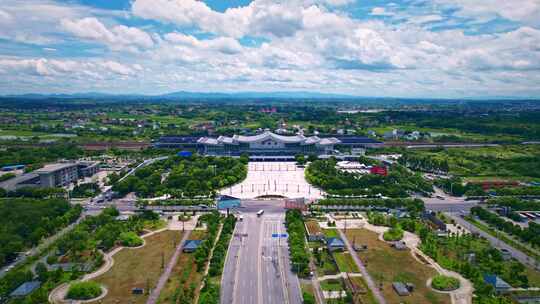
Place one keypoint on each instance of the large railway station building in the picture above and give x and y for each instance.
(266, 144)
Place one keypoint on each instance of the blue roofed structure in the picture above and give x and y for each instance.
(25, 289)
(499, 284)
(191, 245)
(184, 154)
(13, 168)
(335, 244)
(228, 202)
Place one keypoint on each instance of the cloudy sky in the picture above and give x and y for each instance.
(401, 48)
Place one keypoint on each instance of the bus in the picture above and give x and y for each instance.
(260, 213)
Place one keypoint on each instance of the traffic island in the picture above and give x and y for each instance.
(442, 283)
(85, 292)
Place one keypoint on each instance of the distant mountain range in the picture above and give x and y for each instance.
(193, 95)
(305, 95)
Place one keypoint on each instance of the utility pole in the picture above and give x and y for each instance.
(162, 260)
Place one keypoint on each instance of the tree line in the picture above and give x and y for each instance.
(24, 222)
(211, 290)
(400, 182)
(297, 242)
(530, 234)
(184, 177)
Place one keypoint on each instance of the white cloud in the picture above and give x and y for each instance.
(425, 19)
(5, 17)
(295, 44)
(44, 67)
(224, 45)
(117, 38)
(380, 11)
(260, 17)
(524, 11)
(36, 21)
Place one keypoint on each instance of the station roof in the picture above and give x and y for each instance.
(267, 135)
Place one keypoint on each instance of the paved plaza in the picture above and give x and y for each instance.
(274, 178)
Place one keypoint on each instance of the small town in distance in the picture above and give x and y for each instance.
(269, 152)
(312, 211)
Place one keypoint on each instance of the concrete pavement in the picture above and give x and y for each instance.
(274, 178)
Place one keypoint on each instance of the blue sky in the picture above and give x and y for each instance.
(400, 48)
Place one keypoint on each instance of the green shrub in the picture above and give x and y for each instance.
(444, 283)
(393, 234)
(130, 239)
(308, 298)
(83, 290)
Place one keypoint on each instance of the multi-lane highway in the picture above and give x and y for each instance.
(257, 269)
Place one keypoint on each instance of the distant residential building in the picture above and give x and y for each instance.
(58, 175)
(268, 110)
(88, 168)
(53, 175)
(415, 135)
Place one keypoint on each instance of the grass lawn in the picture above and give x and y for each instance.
(307, 290)
(138, 268)
(184, 276)
(534, 276)
(326, 265)
(365, 294)
(345, 262)
(387, 265)
(313, 227)
(330, 233)
(155, 225)
(333, 285)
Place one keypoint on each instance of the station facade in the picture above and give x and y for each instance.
(268, 144)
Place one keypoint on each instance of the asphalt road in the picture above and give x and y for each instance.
(257, 269)
(440, 201)
(495, 242)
